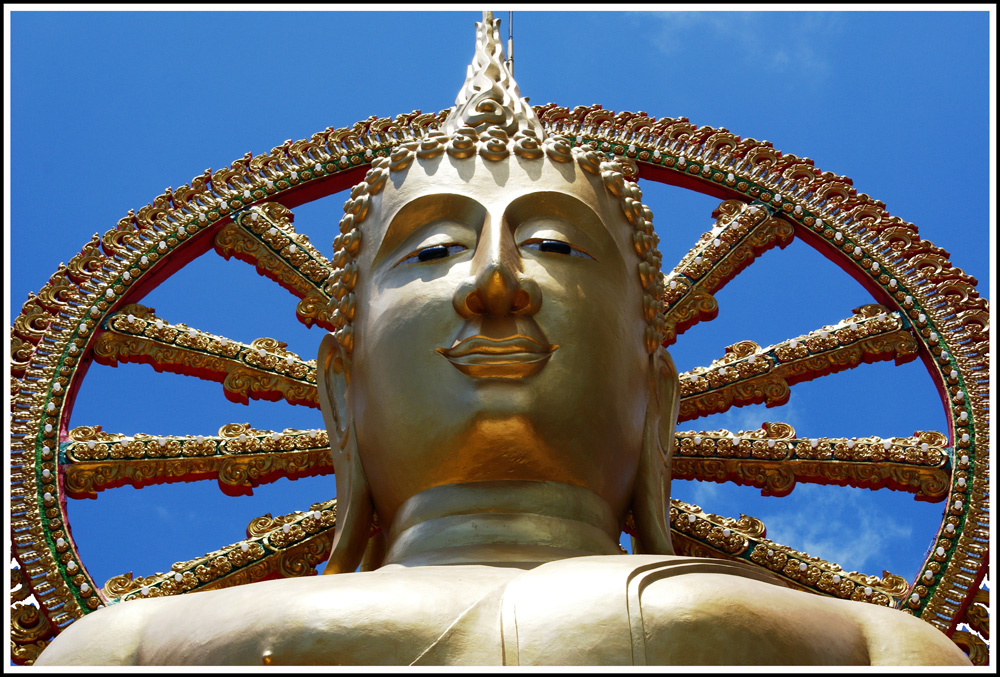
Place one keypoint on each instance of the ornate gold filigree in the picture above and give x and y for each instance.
(240, 458)
(977, 615)
(263, 235)
(741, 234)
(697, 533)
(261, 370)
(977, 649)
(30, 632)
(285, 546)
(774, 460)
(765, 375)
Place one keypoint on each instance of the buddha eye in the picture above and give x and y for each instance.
(438, 251)
(555, 247)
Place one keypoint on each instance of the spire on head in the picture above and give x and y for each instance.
(490, 96)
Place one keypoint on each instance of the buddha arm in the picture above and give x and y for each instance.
(110, 636)
(896, 638)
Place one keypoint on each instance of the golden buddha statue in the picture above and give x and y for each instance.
(498, 396)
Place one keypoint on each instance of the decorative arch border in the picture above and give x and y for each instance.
(60, 325)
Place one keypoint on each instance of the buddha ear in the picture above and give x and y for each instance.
(354, 503)
(652, 482)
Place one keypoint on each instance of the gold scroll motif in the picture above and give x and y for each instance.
(770, 459)
(742, 232)
(240, 458)
(263, 235)
(773, 460)
(977, 650)
(977, 615)
(293, 544)
(748, 374)
(262, 370)
(30, 632)
(699, 534)
(284, 546)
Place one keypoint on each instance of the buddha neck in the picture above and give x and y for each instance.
(502, 523)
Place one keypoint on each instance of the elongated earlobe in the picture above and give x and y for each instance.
(652, 484)
(354, 503)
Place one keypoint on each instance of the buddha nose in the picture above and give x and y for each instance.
(497, 287)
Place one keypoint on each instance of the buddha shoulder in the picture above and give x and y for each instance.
(697, 611)
(316, 620)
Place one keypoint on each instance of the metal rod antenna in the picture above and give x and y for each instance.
(510, 41)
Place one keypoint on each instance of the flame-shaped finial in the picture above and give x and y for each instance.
(490, 97)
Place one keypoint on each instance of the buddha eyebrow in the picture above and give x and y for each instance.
(424, 210)
(552, 204)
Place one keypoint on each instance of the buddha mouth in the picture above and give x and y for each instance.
(511, 357)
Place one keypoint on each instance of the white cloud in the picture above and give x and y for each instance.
(780, 43)
(839, 527)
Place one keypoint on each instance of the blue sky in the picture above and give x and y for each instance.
(109, 108)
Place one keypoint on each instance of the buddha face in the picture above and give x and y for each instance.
(498, 331)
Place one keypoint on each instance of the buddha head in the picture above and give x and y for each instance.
(498, 304)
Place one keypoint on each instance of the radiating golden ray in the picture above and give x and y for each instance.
(771, 459)
(698, 534)
(264, 236)
(263, 370)
(748, 374)
(285, 546)
(240, 458)
(291, 545)
(742, 232)
(774, 460)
